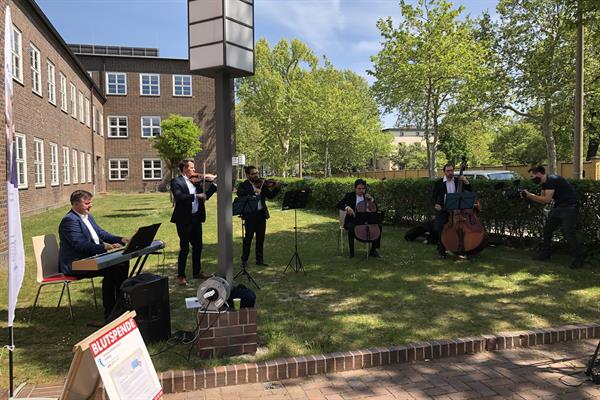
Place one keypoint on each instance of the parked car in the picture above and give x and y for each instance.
(491, 174)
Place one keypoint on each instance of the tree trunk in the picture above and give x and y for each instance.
(549, 137)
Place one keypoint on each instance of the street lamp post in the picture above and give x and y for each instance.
(221, 46)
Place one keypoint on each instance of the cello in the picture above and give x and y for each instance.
(463, 234)
(366, 232)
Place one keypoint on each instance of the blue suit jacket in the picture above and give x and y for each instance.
(76, 240)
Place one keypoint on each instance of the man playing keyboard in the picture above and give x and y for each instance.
(81, 237)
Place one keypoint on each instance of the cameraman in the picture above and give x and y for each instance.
(556, 189)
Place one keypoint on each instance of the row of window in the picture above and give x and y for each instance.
(116, 84)
(69, 98)
(118, 127)
(76, 165)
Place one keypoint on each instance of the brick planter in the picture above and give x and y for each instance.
(227, 334)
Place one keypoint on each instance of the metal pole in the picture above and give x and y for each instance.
(578, 139)
(11, 377)
(223, 109)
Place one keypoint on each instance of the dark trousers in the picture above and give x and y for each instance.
(350, 228)
(113, 277)
(441, 218)
(189, 233)
(567, 217)
(255, 223)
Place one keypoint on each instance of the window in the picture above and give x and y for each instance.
(94, 119)
(88, 117)
(51, 83)
(36, 74)
(66, 166)
(182, 85)
(81, 108)
(116, 83)
(89, 167)
(38, 162)
(73, 101)
(74, 166)
(82, 167)
(21, 156)
(63, 93)
(101, 120)
(150, 126)
(117, 126)
(149, 85)
(17, 54)
(152, 168)
(118, 169)
(54, 164)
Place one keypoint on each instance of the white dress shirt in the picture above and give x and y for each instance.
(87, 223)
(192, 189)
(450, 186)
(260, 205)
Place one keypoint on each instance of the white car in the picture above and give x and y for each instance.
(491, 174)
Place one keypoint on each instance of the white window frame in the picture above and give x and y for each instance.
(151, 126)
(94, 116)
(54, 180)
(74, 166)
(21, 160)
(117, 85)
(35, 58)
(150, 85)
(17, 54)
(88, 116)
(51, 82)
(82, 167)
(66, 166)
(182, 86)
(64, 101)
(101, 119)
(119, 169)
(81, 108)
(117, 126)
(73, 100)
(39, 173)
(152, 169)
(89, 167)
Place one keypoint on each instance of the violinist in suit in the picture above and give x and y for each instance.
(256, 221)
(441, 187)
(348, 204)
(188, 216)
(82, 237)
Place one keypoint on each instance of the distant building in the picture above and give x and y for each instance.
(407, 135)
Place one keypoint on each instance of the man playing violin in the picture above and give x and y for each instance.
(190, 193)
(348, 204)
(256, 220)
(441, 187)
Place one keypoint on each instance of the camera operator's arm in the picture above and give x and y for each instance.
(545, 198)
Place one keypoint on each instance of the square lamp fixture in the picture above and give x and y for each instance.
(221, 36)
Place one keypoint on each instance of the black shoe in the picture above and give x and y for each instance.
(374, 253)
(541, 257)
(262, 264)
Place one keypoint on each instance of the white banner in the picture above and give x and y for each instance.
(16, 253)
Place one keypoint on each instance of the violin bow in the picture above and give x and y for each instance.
(204, 177)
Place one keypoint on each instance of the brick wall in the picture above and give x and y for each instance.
(229, 334)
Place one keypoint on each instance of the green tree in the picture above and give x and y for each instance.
(410, 156)
(425, 64)
(179, 139)
(519, 143)
(461, 136)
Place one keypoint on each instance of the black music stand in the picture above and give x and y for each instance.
(460, 201)
(244, 206)
(295, 199)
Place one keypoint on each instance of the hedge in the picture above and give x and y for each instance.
(408, 202)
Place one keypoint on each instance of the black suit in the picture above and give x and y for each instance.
(189, 225)
(441, 217)
(255, 222)
(349, 200)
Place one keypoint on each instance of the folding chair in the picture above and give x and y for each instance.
(45, 249)
(341, 237)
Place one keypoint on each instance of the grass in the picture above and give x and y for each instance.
(340, 304)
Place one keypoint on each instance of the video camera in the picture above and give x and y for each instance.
(511, 193)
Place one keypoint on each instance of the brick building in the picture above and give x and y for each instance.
(83, 114)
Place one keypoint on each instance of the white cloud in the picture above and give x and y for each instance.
(367, 46)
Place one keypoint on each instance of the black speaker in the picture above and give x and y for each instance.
(148, 295)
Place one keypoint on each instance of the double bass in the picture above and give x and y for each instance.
(463, 234)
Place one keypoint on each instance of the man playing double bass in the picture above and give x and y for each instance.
(348, 204)
(441, 187)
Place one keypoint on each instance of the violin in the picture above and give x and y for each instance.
(367, 232)
(268, 183)
(197, 178)
(464, 234)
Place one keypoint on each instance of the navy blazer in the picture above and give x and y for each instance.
(182, 214)
(76, 240)
(246, 189)
(439, 190)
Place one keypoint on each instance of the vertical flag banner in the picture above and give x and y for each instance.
(16, 253)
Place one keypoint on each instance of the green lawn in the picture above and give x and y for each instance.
(406, 296)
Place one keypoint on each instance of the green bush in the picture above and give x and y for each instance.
(408, 202)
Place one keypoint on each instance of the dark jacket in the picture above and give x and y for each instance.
(439, 190)
(246, 189)
(182, 214)
(76, 240)
(348, 200)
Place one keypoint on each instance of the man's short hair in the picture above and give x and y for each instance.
(538, 169)
(360, 181)
(447, 165)
(80, 195)
(184, 163)
(249, 168)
